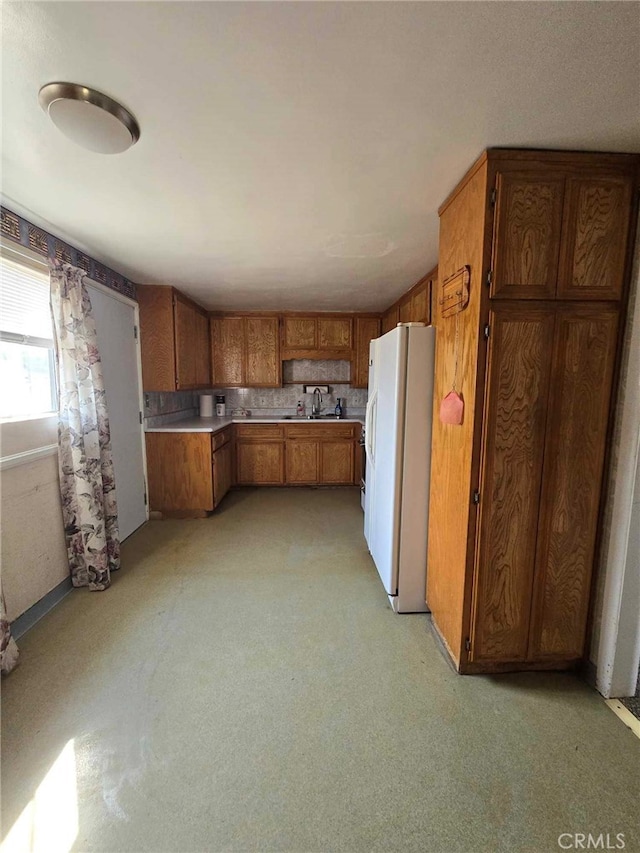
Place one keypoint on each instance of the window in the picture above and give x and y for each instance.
(27, 361)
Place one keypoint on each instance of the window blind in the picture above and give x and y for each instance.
(24, 305)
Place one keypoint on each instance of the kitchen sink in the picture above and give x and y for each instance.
(310, 418)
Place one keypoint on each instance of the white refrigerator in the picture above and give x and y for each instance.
(398, 451)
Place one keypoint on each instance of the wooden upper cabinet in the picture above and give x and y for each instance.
(174, 340)
(527, 229)
(367, 329)
(263, 366)
(420, 303)
(299, 333)
(404, 310)
(520, 350)
(390, 319)
(245, 351)
(202, 350)
(185, 343)
(227, 350)
(582, 369)
(596, 231)
(334, 333)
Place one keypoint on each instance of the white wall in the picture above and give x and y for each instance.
(32, 550)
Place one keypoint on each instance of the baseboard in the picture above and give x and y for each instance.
(29, 618)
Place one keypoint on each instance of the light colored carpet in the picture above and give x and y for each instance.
(244, 686)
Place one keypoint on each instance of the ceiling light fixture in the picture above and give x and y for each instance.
(89, 118)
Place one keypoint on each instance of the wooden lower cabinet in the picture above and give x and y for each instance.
(179, 471)
(337, 462)
(188, 472)
(260, 463)
(302, 462)
(222, 467)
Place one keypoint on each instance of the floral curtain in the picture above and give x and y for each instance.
(85, 461)
(8, 648)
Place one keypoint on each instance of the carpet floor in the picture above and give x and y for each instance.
(244, 686)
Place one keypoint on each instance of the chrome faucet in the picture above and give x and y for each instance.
(316, 406)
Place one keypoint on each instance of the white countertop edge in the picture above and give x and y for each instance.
(212, 425)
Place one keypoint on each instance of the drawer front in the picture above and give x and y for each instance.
(220, 438)
(323, 430)
(259, 431)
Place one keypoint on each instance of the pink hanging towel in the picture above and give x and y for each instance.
(452, 408)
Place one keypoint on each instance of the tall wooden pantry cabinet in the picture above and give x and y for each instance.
(544, 241)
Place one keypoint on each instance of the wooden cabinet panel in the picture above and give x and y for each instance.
(367, 329)
(157, 340)
(257, 432)
(596, 227)
(528, 222)
(179, 471)
(227, 350)
(222, 474)
(334, 332)
(518, 385)
(404, 311)
(420, 307)
(390, 320)
(260, 463)
(318, 429)
(263, 365)
(582, 368)
(202, 350)
(299, 332)
(174, 340)
(337, 462)
(220, 438)
(302, 461)
(185, 327)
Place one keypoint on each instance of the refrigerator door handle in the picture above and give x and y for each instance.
(370, 421)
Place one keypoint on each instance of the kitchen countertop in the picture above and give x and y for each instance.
(197, 424)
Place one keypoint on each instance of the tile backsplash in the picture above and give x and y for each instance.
(166, 407)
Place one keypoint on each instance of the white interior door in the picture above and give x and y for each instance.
(115, 327)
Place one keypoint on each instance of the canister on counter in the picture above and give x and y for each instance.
(206, 405)
(221, 408)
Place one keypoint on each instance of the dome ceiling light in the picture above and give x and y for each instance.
(89, 118)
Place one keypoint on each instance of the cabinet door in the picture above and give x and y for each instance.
(227, 350)
(579, 402)
(390, 320)
(334, 332)
(157, 339)
(179, 471)
(263, 365)
(202, 350)
(299, 333)
(527, 229)
(185, 331)
(337, 462)
(221, 473)
(302, 462)
(597, 212)
(404, 311)
(520, 353)
(367, 329)
(420, 304)
(260, 463)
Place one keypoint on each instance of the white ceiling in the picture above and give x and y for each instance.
(293, 155)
